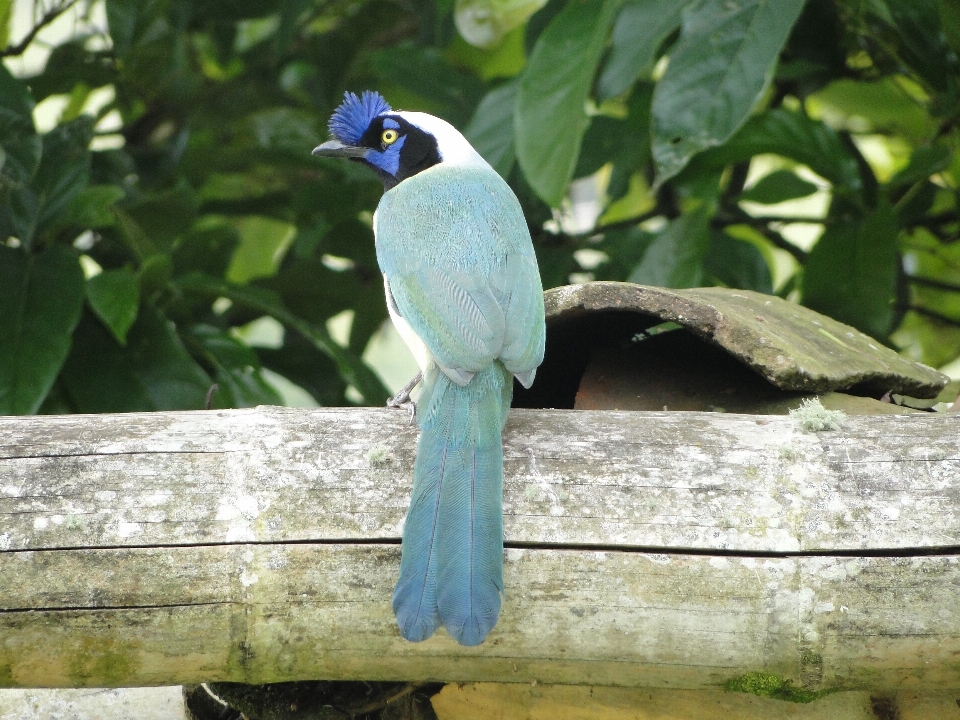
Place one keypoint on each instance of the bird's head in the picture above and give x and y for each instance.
(397, 145)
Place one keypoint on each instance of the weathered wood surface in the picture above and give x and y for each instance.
(645, 549)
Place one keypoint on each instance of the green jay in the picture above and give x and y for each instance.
(463, 289)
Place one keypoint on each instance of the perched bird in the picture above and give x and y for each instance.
(463, 289)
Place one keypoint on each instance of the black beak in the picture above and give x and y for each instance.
(335, 148)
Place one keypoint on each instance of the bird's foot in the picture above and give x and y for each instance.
(402, 399)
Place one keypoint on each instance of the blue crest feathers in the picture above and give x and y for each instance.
(353, 117)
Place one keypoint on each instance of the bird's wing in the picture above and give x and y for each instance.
(454, 313)
(516, 285)
(459, 262)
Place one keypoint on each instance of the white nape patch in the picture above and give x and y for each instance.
(454, 148)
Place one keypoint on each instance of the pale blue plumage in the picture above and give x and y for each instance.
(455, 248)
(458, 258)
(451, 570)
(463, 289)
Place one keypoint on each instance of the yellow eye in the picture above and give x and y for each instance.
(389, 137)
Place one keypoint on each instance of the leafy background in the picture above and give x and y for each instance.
(163, 226)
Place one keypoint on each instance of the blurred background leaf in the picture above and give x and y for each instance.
(163, 227)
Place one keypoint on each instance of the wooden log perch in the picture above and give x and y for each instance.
(643, 549)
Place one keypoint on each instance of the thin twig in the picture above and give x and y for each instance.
(48, 17)
(412, 687)
(739, 217)
(933, 315)
(628, 222)
(787, 219)
(930, 282)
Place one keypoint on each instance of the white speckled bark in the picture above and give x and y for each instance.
(644, 549)
(93, 704)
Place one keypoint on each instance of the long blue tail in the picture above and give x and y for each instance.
(451, 570)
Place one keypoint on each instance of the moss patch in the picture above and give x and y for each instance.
(772, 686)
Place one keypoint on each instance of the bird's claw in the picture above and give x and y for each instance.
(402, 399)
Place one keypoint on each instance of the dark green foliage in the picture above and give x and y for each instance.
(204, 211)
(39, 307)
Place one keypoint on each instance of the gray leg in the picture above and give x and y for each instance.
(402, 398)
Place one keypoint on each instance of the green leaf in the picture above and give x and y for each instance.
(719, 69)
(316, 293)
(641, 27)
(924, 46)
(130, 20)
(236, 368)
(504, 60)
(792, 135)
(64, 171)
(484, 23)
(40, 301)
(604, 140)
(925, 161)
(675, 257)
(263, 243)
(447, 91)
(635, 151)
(351, 367)
(302, 364)
(21, 149)
(738, 264)
(92, 207)
(351, 238)
(160, 218)
(551, 116)
(6, 13)
(285, 129)
(625, 247)
(950, 17)
(883, 104)
(114, 296)
(15, 96)
(777, 187)
(153, 371)
(206, 249)
(18, 213)
(71, 65)
(155, 273)
(491, 129)
(556, 264)
(851, 273)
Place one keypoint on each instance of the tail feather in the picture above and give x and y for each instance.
(415, 597)
(451, 569)
(470, 549)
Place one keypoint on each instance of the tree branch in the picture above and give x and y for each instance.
(48, 17)
(787, 219)
(737, 216)
(937, 284)
(643, 217)
(933, 315)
